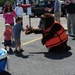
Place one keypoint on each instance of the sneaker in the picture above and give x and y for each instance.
(6, 49)
(10, 49)
(16, 51)
(21, 50)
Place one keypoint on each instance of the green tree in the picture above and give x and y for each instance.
(1, 2)
(12, 1)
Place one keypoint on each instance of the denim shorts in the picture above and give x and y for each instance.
(18, 41)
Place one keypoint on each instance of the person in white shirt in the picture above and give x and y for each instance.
(19, 10)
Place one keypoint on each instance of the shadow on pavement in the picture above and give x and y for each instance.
(5, 73)
(58, 55)
(21, 55)
(54, 55)
(10, 52)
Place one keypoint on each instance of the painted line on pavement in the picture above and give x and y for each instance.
(31, 41)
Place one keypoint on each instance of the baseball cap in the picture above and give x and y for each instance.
(7, 24)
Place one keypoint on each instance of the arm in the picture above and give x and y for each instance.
(4, 33)
(37, 31)
(14, 13)
(25, 5)
(66, 5)
(15, 9)
(32, 30)
(21, 28)
(12, 35)
(4, 14)
(22, 9)
(48, 8)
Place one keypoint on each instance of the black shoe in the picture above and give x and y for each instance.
(67, 48)
(21, 50)
(16, 51)
(6, 49)
(10, 49)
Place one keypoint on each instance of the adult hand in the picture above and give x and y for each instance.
(48, 9)
(34, 4)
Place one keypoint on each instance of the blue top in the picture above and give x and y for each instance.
(17, 31)
(57, 6)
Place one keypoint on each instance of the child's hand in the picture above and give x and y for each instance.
(27, 27)
(28, 30)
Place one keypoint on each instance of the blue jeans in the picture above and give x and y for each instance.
(71, 23)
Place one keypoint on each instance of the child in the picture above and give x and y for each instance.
(7, 37)
(17, 32)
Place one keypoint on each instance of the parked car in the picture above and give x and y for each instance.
(39, 9)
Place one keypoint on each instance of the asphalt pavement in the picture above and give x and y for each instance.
(35, 60)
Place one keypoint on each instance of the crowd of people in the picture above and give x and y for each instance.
(14, 31)
(69, 6)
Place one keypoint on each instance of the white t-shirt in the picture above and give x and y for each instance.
(19, 11)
